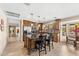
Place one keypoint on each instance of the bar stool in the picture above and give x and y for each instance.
(48, 40)
(41, 44)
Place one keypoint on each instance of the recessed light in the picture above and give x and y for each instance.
(31, 14)
(43, 17)
(27, 4)
(38, 16)
(55, 17)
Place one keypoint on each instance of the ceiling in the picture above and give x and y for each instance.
(42, 12)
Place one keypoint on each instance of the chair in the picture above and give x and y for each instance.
(48, 40)
(76, 42)
(70, 39)
(52, 42)
(41, 44)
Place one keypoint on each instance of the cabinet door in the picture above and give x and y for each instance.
(55, 37)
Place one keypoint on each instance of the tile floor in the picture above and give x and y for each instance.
(15, 48)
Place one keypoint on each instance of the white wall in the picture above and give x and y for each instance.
(3, 34)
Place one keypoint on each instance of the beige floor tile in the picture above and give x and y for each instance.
(16, 48)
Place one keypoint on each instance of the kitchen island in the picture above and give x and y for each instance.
(29, 43)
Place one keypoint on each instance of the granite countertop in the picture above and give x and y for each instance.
(31, 37)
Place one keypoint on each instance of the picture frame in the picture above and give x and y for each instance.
(1, 25)
(2, 22)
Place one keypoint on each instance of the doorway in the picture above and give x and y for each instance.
(12, 31)
(12, 34)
